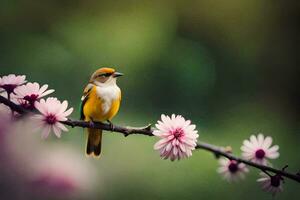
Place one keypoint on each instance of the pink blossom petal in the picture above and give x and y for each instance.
(46, 131)
(68, 112)
(56, 131)
(246, 149)
(46, 93)
(63, 107)
(156, 133)
(61, 126)
(161, 127)
(43, 88)
(273, 149)
(38, 117)
(273, 155)
(253, 140)
(267, 143)
(40, 106)
(168, 146)
(166, 120)
(249, 145)
(182, 147)
(175, 151)
(260, 139)
(61, 118)
(159, 144)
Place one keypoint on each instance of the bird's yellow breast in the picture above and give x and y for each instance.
(95, 108)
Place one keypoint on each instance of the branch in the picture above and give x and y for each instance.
(13, 106)
(218, 151)
(98, 125)
(221, 152)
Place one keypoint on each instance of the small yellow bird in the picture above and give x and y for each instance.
(100, 102)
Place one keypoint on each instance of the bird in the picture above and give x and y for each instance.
(100, 102)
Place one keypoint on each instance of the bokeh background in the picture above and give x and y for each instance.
(230, 66)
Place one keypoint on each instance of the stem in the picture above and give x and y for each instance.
(8, 95)
(126, 131)
(220, 152)
(13, 106)
(12, 111)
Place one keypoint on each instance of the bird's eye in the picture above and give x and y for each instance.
(101, 75)
(105, 75)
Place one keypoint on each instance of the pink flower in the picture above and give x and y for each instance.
(10, 82)
(272, 184)
(28, 94)
(52, 113)
(178, 137)
(258, 149)
(232, 170)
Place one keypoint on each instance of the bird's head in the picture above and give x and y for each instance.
(105, 76)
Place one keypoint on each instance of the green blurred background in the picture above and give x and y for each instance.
(230, 66)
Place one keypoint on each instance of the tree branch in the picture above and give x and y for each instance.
(13, 106)
(98, 125)
(218, 151)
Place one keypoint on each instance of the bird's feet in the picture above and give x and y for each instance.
(92, 124)
(112, 127)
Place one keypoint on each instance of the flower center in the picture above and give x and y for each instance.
(51, 119)
(31, 99)
(178, 133)
(24, 104)
(275, 180)
(233, 166)
(9, 87)
(260, 154)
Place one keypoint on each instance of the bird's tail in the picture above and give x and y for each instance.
(94, 140)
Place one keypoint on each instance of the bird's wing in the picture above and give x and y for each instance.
(84, 98)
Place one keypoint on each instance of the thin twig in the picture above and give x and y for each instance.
(13, 106)
(219, 151)
(216, 150)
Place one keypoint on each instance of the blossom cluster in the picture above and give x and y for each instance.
(29, 95)
(178, 138)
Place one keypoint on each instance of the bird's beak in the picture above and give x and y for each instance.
(117, 74)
